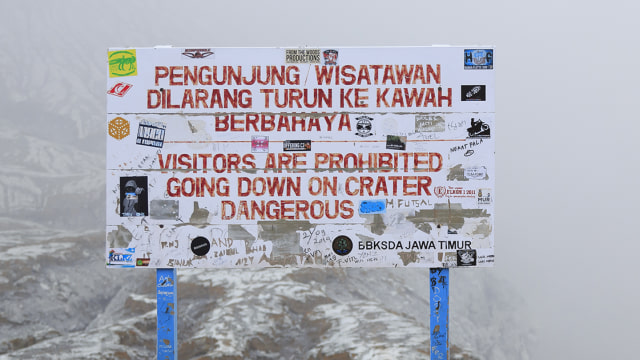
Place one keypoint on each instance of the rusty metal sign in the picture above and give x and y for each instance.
(318, 157)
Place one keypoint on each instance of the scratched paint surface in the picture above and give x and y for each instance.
(353, 157)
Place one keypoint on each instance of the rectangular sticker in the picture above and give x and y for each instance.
(478, 59)
(296, 145)
(473, 93)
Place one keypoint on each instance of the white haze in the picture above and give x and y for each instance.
(567, 79)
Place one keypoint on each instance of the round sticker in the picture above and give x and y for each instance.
(200, 246)
(342, 245)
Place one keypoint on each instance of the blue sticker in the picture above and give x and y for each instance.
(481, 59)
(122, 257)
(373, 207)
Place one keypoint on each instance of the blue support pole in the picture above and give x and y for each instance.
(166, 308)
(439, 320)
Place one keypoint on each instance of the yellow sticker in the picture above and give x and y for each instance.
(119, 128)
(123, 63)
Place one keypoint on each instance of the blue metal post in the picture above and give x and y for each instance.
(167, 302)
(439, 320)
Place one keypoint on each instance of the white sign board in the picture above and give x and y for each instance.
(325, 157)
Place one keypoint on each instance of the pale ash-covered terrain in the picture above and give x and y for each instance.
(60, 303)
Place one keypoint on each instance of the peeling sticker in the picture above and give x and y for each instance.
(476, 173)
(119, 238)
(164, 209)
(484, 197)
(372, 207)
(429, 123)
(396, 142)
(259, 144)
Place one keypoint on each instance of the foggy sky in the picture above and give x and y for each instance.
(566, 81)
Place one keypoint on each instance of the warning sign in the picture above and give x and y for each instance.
(340, 157)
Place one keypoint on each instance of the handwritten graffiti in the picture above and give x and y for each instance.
(439, 300)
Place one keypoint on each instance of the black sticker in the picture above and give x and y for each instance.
(473, 92)
(466, 257)
(342, 245)
(133, 196)
(296, 145)
(395, 142)
(200, 246)
(478, 129)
